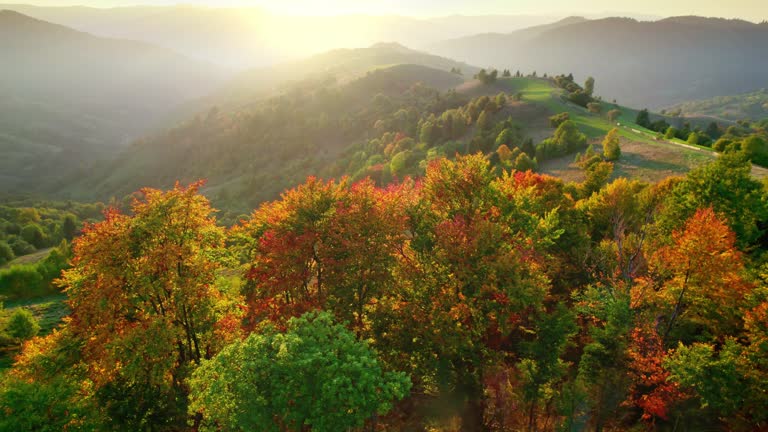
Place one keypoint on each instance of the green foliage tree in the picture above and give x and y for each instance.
(713, 131)
(427, 133)
(523, 162)
(589, 86)
(729, 188)
(484, 122)
(755, 148)
(399, 163)
(69, 227)
(716, 379)
(487, 78)
(33, 234)
(6, 253)
(22, 325)
(598, 175)
(643, 118)
(671, 133)
(558, 119)
(315, 375)
(611, 147)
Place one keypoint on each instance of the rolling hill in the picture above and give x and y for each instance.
(255, 151)
(357, 127)
(654, 63)
(69, 98)
(746, 106)
(340, 66)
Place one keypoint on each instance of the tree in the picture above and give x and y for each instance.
(484, 122)
(22, 325)
(468, 278)
(651, 389)
(671, 133)
(505, 154)
(589, 86)
(399, 163)
(427, 133)
(727, 186)
(501, 100)
(145, 303)
(69, 227)
(6, 253)
(597, 177)
(595, 107)
(713, 131)
(569, 138)
(315, 375)
(643, 118)
(613, 115)
(487, 78)
(323, 245)
(558, 119)
(603, 366)
(702, 285)
(33, 234)
(693, 138)
(611, 148)
(523, 162)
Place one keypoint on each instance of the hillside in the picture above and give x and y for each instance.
(746, 106)
(340, 65)
(254, 152)
(384, 125)
(69, 98)
(652, 64)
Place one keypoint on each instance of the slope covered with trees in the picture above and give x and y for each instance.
(471, 299)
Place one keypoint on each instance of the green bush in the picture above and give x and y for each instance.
(22, 281)
(316, 375)
(34, 235)
(6, 253)
(19, 246)
(22, 325)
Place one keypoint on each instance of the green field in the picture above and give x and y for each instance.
(644, 157)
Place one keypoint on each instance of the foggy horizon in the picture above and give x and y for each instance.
(749, 10)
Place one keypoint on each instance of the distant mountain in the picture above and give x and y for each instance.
(240, 38)
(68, 98)
(639, 63)
(746, 106)
(340, 66)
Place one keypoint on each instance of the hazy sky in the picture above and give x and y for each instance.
(755, 10)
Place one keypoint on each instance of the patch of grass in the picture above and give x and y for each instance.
(49, 311)
(29, 259)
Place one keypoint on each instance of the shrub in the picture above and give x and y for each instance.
(22, 325)
(6, 253)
